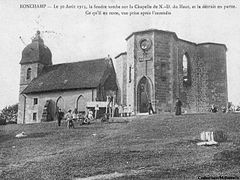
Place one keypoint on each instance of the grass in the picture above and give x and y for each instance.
(144, 147)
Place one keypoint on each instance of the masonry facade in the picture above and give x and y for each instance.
(157, 66)
(161, 67)
(45, 87)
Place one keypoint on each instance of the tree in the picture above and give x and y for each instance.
(9, 113)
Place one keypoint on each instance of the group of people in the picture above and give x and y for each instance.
(178, 107)
(72, 116)
(215, 109)
(124, 111)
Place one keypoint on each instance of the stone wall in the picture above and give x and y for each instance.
(186, 92)
(163, 66)
(208, 76)
(214, 57)
(36, 69)
(142, 65)
(120, 64)
(131, 83)
(69, 102)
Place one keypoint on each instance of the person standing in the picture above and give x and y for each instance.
(75, 114)
(121, 110)
(69, 118)
(89, 117)
(116, 111)
(178, 107)
(59, 115)
(150, 108)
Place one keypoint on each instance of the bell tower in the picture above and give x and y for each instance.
(140, 66)
(34, 57)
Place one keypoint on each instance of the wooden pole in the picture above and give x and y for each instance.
(96, 114)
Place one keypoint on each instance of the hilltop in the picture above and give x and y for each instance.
(142, 147)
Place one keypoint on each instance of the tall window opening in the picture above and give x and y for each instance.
(130, 74)
(81, 104)
(35, 101)
(34, 116)
(29, 71)
(60, 104)
(186, 70)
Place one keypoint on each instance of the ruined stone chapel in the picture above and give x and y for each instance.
(157, 66)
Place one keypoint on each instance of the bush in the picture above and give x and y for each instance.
(2, 121)
(9, 114)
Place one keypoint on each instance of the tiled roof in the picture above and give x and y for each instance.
(69, 76)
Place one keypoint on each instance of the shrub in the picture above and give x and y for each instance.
(9, 113)
(2, 121)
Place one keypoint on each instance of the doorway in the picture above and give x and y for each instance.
(143, 95)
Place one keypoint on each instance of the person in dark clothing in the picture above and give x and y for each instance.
(178, 107)
(60, 115)
(150, 108)
(214, 108)
(116, 111)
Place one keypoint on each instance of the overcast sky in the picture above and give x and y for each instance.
(73, 36)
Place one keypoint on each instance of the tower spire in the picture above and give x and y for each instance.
(38, 37)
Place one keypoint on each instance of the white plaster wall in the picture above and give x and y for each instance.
(131, 85)
(69, 97)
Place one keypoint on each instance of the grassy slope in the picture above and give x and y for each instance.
(150, 147)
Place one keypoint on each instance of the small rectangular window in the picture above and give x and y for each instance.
(35, 101)
(34, 116)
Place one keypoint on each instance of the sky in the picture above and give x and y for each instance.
(74, 35)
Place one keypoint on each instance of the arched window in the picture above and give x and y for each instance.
(29, 71)
(186, 70)
(60, 104)
(81, 104)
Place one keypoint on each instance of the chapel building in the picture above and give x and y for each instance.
(45, 87)
(160, 67)
(157, 67)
